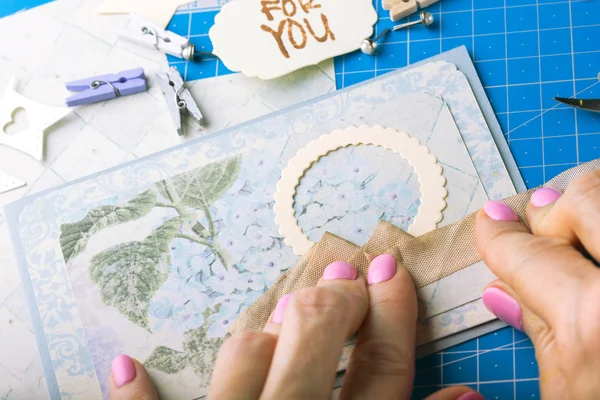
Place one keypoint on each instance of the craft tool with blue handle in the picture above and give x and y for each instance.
(106, 87)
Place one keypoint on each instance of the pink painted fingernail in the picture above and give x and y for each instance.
(471, 396)
(123, 370)
(280, 308)
(499, 211)
(544, 196)
(382, 268)
(503, 306)
(340, 270)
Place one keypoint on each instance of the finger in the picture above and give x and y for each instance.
(316, 323)
(574, 216)
(456, 393)
(540, 270)
(273, 326)
(382, 364)
(540, 205)
(502, 301)
(242, 366)
(130, 380)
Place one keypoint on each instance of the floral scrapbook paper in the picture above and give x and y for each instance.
(155, 259)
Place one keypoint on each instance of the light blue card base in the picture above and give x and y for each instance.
(458, 57)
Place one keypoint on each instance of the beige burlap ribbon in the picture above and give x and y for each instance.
(428, 258)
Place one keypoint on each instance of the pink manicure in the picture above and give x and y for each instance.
(382, 268)
(340, 270)
(471, 396)
(544, 196)
(503, 306)
(280, 308)
(499, 211)
(123, 370)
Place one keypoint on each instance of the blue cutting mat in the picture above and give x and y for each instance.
(8, 7)
(526, 52)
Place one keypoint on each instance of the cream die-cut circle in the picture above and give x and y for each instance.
(429, 172)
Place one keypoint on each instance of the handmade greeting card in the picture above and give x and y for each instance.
(157, 258)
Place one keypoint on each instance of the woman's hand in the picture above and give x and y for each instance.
(547, 287)
(297, 354)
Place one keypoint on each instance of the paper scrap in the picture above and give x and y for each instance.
(158, 11)
(7, 183)
(31, 140)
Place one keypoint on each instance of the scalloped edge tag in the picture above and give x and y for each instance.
(271, 38)
(429, 172)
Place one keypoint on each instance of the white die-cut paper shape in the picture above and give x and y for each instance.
(271, 38)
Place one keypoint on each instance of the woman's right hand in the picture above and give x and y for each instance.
(547, 287)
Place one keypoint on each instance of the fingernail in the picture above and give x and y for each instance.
(471, 396)
(340, 270)
(544, 196)
(382, 268)
(280, 308)
(123, 370)
(503, 306)
(499, 211)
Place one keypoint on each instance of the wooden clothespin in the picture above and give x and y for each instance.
(403, 8)
(106, 87)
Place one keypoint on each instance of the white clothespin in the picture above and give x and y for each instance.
(147, 34)
(179, 99)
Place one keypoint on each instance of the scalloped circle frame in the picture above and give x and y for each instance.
(429, 172)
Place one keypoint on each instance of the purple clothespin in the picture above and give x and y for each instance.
(106, 87)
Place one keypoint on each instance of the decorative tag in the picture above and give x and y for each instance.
(425, 165)
(270, 38)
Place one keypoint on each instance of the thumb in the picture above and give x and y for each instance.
(456, 393)
(130, 380)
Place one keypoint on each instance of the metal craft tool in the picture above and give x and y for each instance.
(106, 87)
(178, 97)
(583, 104)
(425, 18)
(147, 34)
(369, 46)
